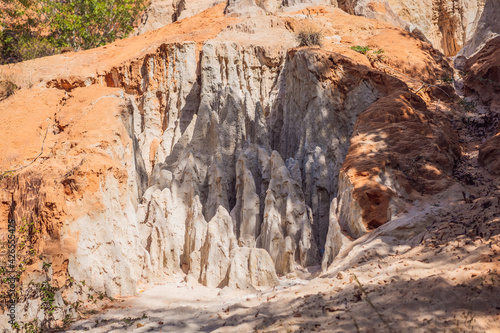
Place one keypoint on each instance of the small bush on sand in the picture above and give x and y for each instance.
(310, 36)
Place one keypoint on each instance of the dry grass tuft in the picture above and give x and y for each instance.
(309, 35)
(7, 86)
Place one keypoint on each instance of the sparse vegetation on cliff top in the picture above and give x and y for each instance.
(309, 35)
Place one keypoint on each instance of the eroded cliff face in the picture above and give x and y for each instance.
(75, 211)
(486, 28)
(275, 177)
(229, 159)
(482, 84)
(447, 24)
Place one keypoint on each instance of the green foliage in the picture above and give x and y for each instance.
(91, 23)
(360, 49)
(25, 255)
(32, 327)
(27, 232)
(309, 36)
(448, 79)
(34, 48)
(48, 295)
(375, 56)
(33, 29)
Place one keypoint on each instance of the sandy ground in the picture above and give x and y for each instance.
(178, 307)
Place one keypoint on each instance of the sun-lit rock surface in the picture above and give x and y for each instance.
(448, 25)
(215, 149)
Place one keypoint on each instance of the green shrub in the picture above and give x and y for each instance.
(34, 48)
(309, 36)
(360, 49)
(32, 29)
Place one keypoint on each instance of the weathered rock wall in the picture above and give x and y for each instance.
(482, 83)
(243, 154)
(214, 161)
(482, 79)
(230, 161)
(386, 168)
(451, 26)
(486, 27)
(214, 135)
(79, 202)
(447, 24)
(225, 158)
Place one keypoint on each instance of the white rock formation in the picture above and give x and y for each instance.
(335, 240)
(109, 254)
(216, 250)
(212, 137)
(318, 143)
(486, 28)
(207, 148)
(196, 233)
(250, 268)
(349, 212)
(247, 213)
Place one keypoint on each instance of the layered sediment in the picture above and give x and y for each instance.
(231, 161)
